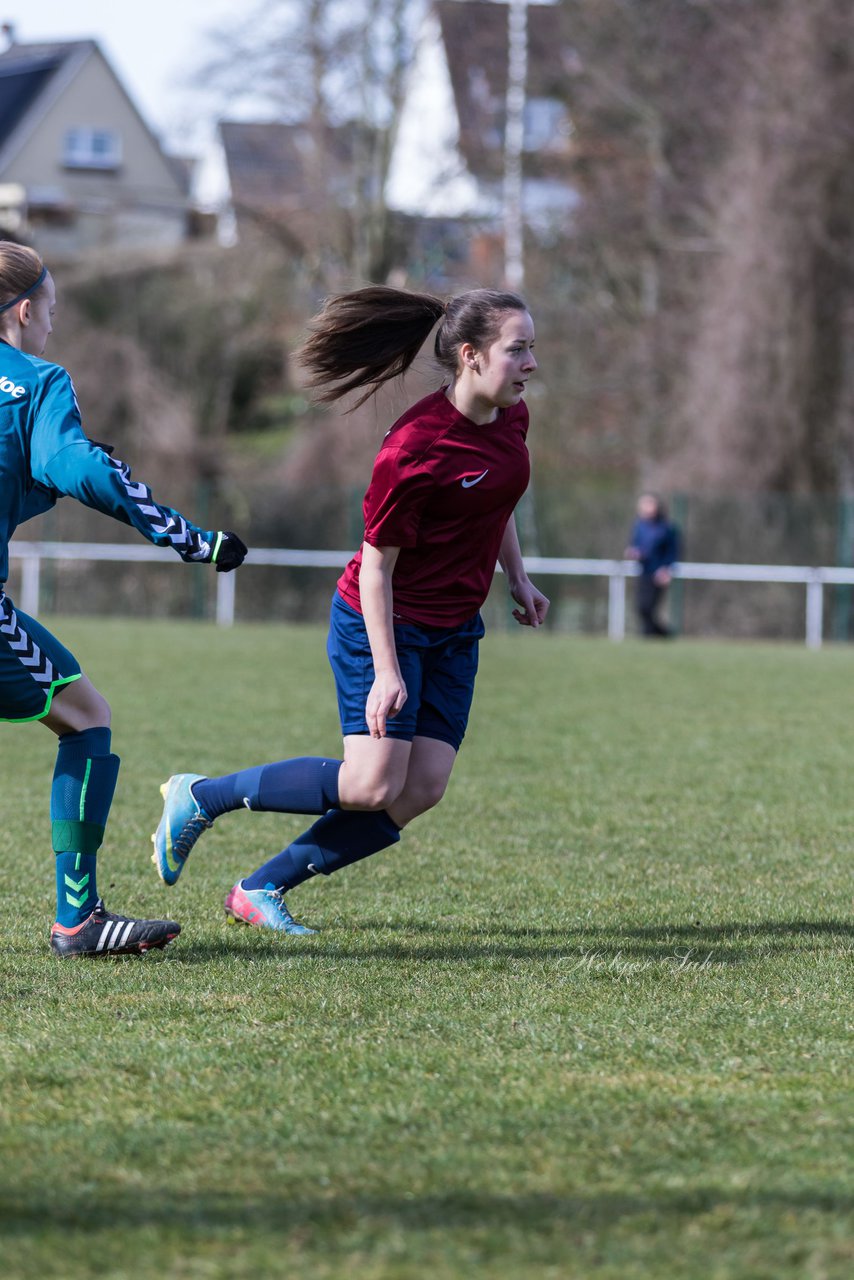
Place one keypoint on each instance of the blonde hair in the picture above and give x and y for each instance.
(20, 270)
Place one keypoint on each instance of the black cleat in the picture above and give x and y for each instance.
(105, 934)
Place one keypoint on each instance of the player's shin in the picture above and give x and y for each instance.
(84, 782)
(306, 784)
(337, 840)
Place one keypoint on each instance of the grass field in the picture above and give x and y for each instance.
(591, 1018)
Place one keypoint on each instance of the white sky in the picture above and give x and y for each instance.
(152, 45)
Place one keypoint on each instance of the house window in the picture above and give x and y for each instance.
(85, 148)
(548, 126)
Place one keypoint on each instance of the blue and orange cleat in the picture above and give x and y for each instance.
(182, 823)
(264, 908)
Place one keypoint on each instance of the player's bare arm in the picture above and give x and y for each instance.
(388, 693)
(533, 605)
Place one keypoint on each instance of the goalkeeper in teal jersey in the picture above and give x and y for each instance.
(45, 454)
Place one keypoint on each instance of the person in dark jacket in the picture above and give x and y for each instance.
(654, 543)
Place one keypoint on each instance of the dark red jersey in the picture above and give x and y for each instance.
(442, 489)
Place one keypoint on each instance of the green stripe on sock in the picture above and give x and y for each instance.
(84, 788)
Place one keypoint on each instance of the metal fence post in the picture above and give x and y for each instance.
(815, 610)
(225, 587)
(617, 604)
(31, 570)
(676, 594)
(841, 612)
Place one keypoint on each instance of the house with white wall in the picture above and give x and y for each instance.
(80, 169)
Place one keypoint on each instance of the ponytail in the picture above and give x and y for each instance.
(369, 337)
(366, 338)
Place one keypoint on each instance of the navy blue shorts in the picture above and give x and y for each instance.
(33, 665)
(438, 665)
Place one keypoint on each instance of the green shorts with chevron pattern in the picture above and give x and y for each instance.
(33, 665)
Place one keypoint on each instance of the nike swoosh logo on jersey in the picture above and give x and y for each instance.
(468, 484)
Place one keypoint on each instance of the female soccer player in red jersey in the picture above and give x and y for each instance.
(405, 621)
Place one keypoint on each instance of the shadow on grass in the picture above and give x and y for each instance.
(684, 929)
(729, 944)
(23, 1215)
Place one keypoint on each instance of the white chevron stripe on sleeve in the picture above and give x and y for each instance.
(35, 658)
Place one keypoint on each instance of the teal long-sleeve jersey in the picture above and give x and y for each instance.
(44, 453)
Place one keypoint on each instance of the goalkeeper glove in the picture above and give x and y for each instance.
(229, 552)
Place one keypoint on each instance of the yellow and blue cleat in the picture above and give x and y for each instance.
(182, 823)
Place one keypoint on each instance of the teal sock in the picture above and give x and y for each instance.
(84, 781)
(76, 888)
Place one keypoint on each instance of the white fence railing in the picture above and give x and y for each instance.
(31, 555)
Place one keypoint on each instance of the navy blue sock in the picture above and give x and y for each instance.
(338, 839)
(84, 781)
(307, 784)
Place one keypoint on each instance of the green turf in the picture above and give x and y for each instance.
(591, 1018)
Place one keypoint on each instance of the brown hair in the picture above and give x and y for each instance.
(368, 337)
(20, 268)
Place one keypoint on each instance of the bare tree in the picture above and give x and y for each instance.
(338, 68)
(766, 395)
(707, 276)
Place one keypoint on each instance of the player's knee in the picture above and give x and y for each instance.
(433, 789)
(94, 710)
(369, 788)
(426, 794)
(373, 775)
(77, 707)
(99, 709)
(372, 794)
